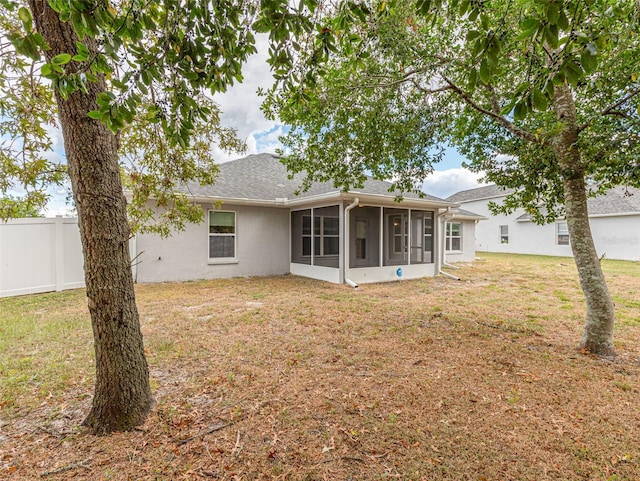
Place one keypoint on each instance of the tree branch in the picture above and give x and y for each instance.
(407, 77)
(430, 91)
(68, 467)
(495, 114)
(612, 109)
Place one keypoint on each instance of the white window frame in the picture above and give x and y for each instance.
(562, 232)
(223, 260)
(449, 236)
(504, 234)
(319, 238)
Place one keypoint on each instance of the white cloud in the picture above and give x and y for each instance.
(55, 134)
(58, 206)
(56, 156)
(252, 145)
(240, 105)
(443, 183)
(221, 156)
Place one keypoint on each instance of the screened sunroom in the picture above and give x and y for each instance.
(381, 243)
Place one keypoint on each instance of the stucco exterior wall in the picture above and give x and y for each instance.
(262, 248)
(618, 237)
(468, 252)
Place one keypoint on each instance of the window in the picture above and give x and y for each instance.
(361, 238)
(453, 236)
(504, 234)
(400, 233)
(306, 235)
(222, 235)
(428, 235)
(326, 236)
(562, 236)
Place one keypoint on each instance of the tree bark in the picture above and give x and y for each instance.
(122, 397)
(597, 337)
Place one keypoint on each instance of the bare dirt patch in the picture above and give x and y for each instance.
(289, 378)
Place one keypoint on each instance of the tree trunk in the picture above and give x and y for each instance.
(122, 397)
(598, 330)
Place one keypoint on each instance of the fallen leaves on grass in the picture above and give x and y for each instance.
(292, 379)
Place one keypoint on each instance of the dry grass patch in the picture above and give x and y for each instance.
(290, 378)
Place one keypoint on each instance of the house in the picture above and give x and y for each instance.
(614, 218)
(257, 225)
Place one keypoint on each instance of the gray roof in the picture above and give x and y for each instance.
(467, 215)
(619, 200)
(486, 192)
(265, 177)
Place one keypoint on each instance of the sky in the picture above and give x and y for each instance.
(240, 108)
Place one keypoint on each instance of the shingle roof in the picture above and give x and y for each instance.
(467, 215)
(478, 193)
(619, 200)
(265, 177)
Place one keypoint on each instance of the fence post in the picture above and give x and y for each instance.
(59, 252)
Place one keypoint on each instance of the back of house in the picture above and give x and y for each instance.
(257, 224)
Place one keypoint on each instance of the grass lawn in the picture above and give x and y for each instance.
(295, 379)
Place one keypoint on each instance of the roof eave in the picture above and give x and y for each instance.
(240, 201)
(615, 214)
(497, 196)
(468, 217)
(377, 199)
(380, 199)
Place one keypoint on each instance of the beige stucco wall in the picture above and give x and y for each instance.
(262, 248)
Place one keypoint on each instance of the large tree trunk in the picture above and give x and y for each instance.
(598, 330)
(122, 397)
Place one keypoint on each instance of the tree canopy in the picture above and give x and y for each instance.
(385, 84)
(162, 61)
(27, 115)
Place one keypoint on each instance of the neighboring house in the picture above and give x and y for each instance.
(257, 225)
(614, 218)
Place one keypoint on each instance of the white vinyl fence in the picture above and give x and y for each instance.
(40, 255)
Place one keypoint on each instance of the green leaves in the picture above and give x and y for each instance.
(165, 48)
(25, 17)
(539, 100)
(589, 58)
(528, 27)
(485, 71)
(495, 74)
(82, 53)
(61, 59)
(27, 116)
(155, 169)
